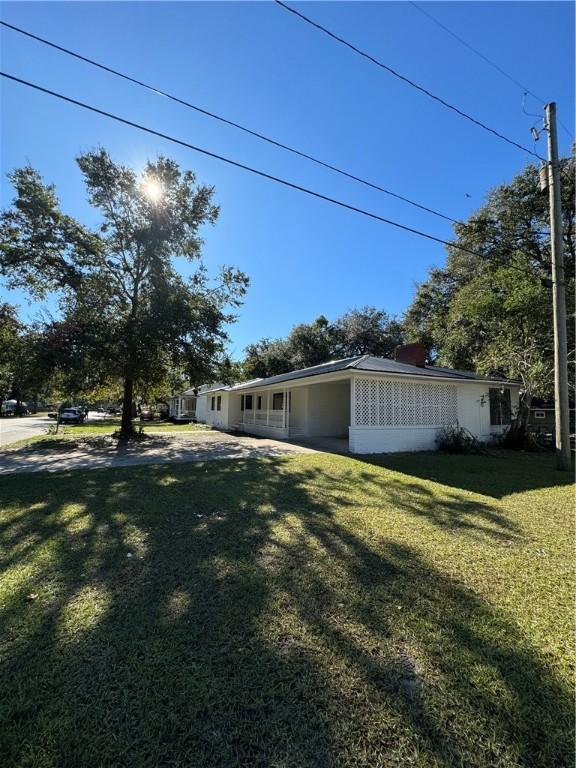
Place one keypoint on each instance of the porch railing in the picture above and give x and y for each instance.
(263, 418)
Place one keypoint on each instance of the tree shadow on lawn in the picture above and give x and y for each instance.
(250, 627)
(449, 510)
(497, 475)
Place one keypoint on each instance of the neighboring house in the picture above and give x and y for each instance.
(184, 405)
(188, 405)
(543, 416)
(377, 405)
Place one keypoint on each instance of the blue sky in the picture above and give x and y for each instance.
(258, 65)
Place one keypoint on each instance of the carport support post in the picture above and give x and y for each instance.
(268, 408)
(352, 401)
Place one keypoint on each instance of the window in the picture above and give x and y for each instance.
(278, 401)
(539, 414)
(249, 404)
(241, 402)
(500, 407)
(212, 402)
(259, 403)
(219, 403)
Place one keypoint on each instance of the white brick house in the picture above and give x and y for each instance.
(378, 405)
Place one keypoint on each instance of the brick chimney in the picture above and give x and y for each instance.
(411, 354)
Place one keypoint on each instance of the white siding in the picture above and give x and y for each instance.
(201, 404)
(392, 439)
(298, 416)
(328, 409)
(233, 410)
(214, 417)
(474, 410)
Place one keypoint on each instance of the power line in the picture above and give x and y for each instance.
(213, 115)
(237, 164)
(493, 64)
(232, 123)
(477, 52)
(405, 79)
(248, 168)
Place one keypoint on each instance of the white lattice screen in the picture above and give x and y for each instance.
(388, 403)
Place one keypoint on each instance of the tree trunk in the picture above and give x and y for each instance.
(126, 428)
(517, 436)
(524, 411)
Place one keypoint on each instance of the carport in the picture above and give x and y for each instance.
(302, 410)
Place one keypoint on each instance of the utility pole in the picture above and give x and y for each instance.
(562, 412)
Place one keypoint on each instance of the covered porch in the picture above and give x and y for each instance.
(300, 411)
(183, 406)
(262, 412)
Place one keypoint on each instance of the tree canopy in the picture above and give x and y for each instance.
(492, 312)
(127, 312)
(357, 332)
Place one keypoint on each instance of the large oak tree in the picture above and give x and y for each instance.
(134, 315)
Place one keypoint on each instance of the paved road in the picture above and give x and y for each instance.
(14, 428)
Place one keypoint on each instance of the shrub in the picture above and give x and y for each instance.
(457, 439)
(518, 437)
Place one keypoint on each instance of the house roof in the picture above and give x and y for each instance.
(192, 392)
(363, 363)
(539, 404)
(228, 387)
(384, 365)
(316, 370)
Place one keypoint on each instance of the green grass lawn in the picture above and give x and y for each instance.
(108, 426)
(102, 427)
(311, 611)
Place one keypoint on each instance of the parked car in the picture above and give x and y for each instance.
(11, 408)
(146, 415)
(72, 416)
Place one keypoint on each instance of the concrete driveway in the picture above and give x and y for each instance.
(104, 452)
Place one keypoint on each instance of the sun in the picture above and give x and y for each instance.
(152, 189)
